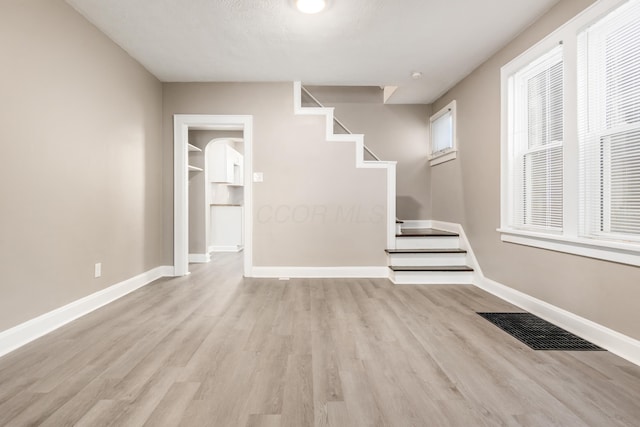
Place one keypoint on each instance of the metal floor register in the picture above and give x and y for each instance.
(538, 333)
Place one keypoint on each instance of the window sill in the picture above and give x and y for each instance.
(443, 157)
(620, 252)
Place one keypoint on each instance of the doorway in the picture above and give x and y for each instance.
(223, 190)
(182, 124)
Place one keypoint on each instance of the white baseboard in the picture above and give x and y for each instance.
(232, 248)
(447, 226)
(321, 272)
(615, 342)
(416, 223)
(622, 345)
(199, 258)
(431, 278)
(13, 338)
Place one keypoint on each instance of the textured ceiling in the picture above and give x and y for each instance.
(353, 42)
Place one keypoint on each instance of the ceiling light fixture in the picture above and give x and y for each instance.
(416, 75)
(311, 6)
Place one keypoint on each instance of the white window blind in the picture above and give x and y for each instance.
(536, 140)
(442, 145)
(442, 133)
(609, 125)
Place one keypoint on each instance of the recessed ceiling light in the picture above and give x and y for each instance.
(311, 6)
(416, 75)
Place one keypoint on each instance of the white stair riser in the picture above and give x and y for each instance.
(435, 242)
(432, 277)
(402, 260)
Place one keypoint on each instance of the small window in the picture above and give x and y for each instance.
(443, 135)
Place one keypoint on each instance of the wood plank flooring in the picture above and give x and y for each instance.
(214, 349)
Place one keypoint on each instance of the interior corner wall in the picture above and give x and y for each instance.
(467, 191)
(81, 174)
(314, 208)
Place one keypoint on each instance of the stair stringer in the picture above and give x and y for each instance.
(358, 140)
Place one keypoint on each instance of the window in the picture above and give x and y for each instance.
(609, 125)
(536, 132)
(571, 137)
(443, 135)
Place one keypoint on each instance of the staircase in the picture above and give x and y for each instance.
(428, 256)
(416, 255)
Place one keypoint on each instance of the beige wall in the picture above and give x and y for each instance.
(314, 207)
(80, 174)
(393, 132)
(467, 191)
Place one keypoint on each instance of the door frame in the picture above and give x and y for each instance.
(182, 123)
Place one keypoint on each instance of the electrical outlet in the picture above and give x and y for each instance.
(98, 270)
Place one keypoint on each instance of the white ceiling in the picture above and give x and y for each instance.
(353, 42)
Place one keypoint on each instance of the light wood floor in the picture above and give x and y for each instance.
(213, 349)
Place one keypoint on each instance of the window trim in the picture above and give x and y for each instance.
(568, 241)
(449, 153)
(620, 252)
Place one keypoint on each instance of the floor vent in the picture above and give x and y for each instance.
(538, 333)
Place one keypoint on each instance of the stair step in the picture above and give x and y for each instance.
(427, 240)
(426, 251)
(427, 257)
(425, 232)
(432, 275)
(455, 268)
(422, 257)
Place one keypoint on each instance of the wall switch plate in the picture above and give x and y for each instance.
(98, 270)
(258, 177)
